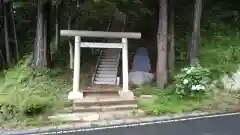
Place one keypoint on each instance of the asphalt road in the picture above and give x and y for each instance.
(221, 124)
(225, 125)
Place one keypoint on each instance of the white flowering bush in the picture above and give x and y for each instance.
(192, 80)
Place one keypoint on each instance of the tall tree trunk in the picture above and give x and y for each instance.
(15, 33)
(162, 44)
(41, 56)
(57, 25)
(47, 28)
(70, 44)
(195, 41)
(38, 59)
(171, 51)
(2, 60)
(6, 35)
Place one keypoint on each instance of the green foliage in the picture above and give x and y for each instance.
(28, 95)
(144, 90)
(220, 40)
(192, 80)
(167, 102)
(220, 50)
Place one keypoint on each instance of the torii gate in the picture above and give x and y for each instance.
(76, 93)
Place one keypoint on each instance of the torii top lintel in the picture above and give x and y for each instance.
(100, 34)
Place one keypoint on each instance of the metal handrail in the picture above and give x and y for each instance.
(100, 54)
(98, 61)
(119, 54)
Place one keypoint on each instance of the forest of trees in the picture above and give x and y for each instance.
(51, 16)
(178, 34)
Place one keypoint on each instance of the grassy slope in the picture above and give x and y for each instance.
(220, 48)
(35, 96)
(31, 94)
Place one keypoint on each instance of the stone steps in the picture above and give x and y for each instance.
(107, 67)
(97, 108)
(105, 76)
(100, 102)
(99, 90)
(105, 82)
(103, 101)
(106, 72)
(95, 116)
(105, 79)
(92, 108)
(101, 95)
(98, 93)
(107, 60)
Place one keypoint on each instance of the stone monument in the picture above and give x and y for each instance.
(140, 72)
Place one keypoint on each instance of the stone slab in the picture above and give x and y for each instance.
(83, 125)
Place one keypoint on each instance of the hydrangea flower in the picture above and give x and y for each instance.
(188, 71)
(194, 88)
(185, 81)
(193, 78)
(200, 87)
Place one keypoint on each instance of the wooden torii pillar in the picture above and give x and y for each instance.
(76, 93)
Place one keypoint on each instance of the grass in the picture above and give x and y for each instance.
(145, 90)
(167, 102)
(29, 95)
(219, 49)
(222, 100)
(27, 99)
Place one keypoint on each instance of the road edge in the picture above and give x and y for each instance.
(121, 123)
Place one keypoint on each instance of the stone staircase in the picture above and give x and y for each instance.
(99, 104)
(107, 67)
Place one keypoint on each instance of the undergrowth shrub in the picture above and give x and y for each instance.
(25, 94)
(8, 111)
(219, 49)
(35, 105)
(167, 102)
(192, 80)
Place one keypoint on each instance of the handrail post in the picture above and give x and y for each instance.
(76, 93)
